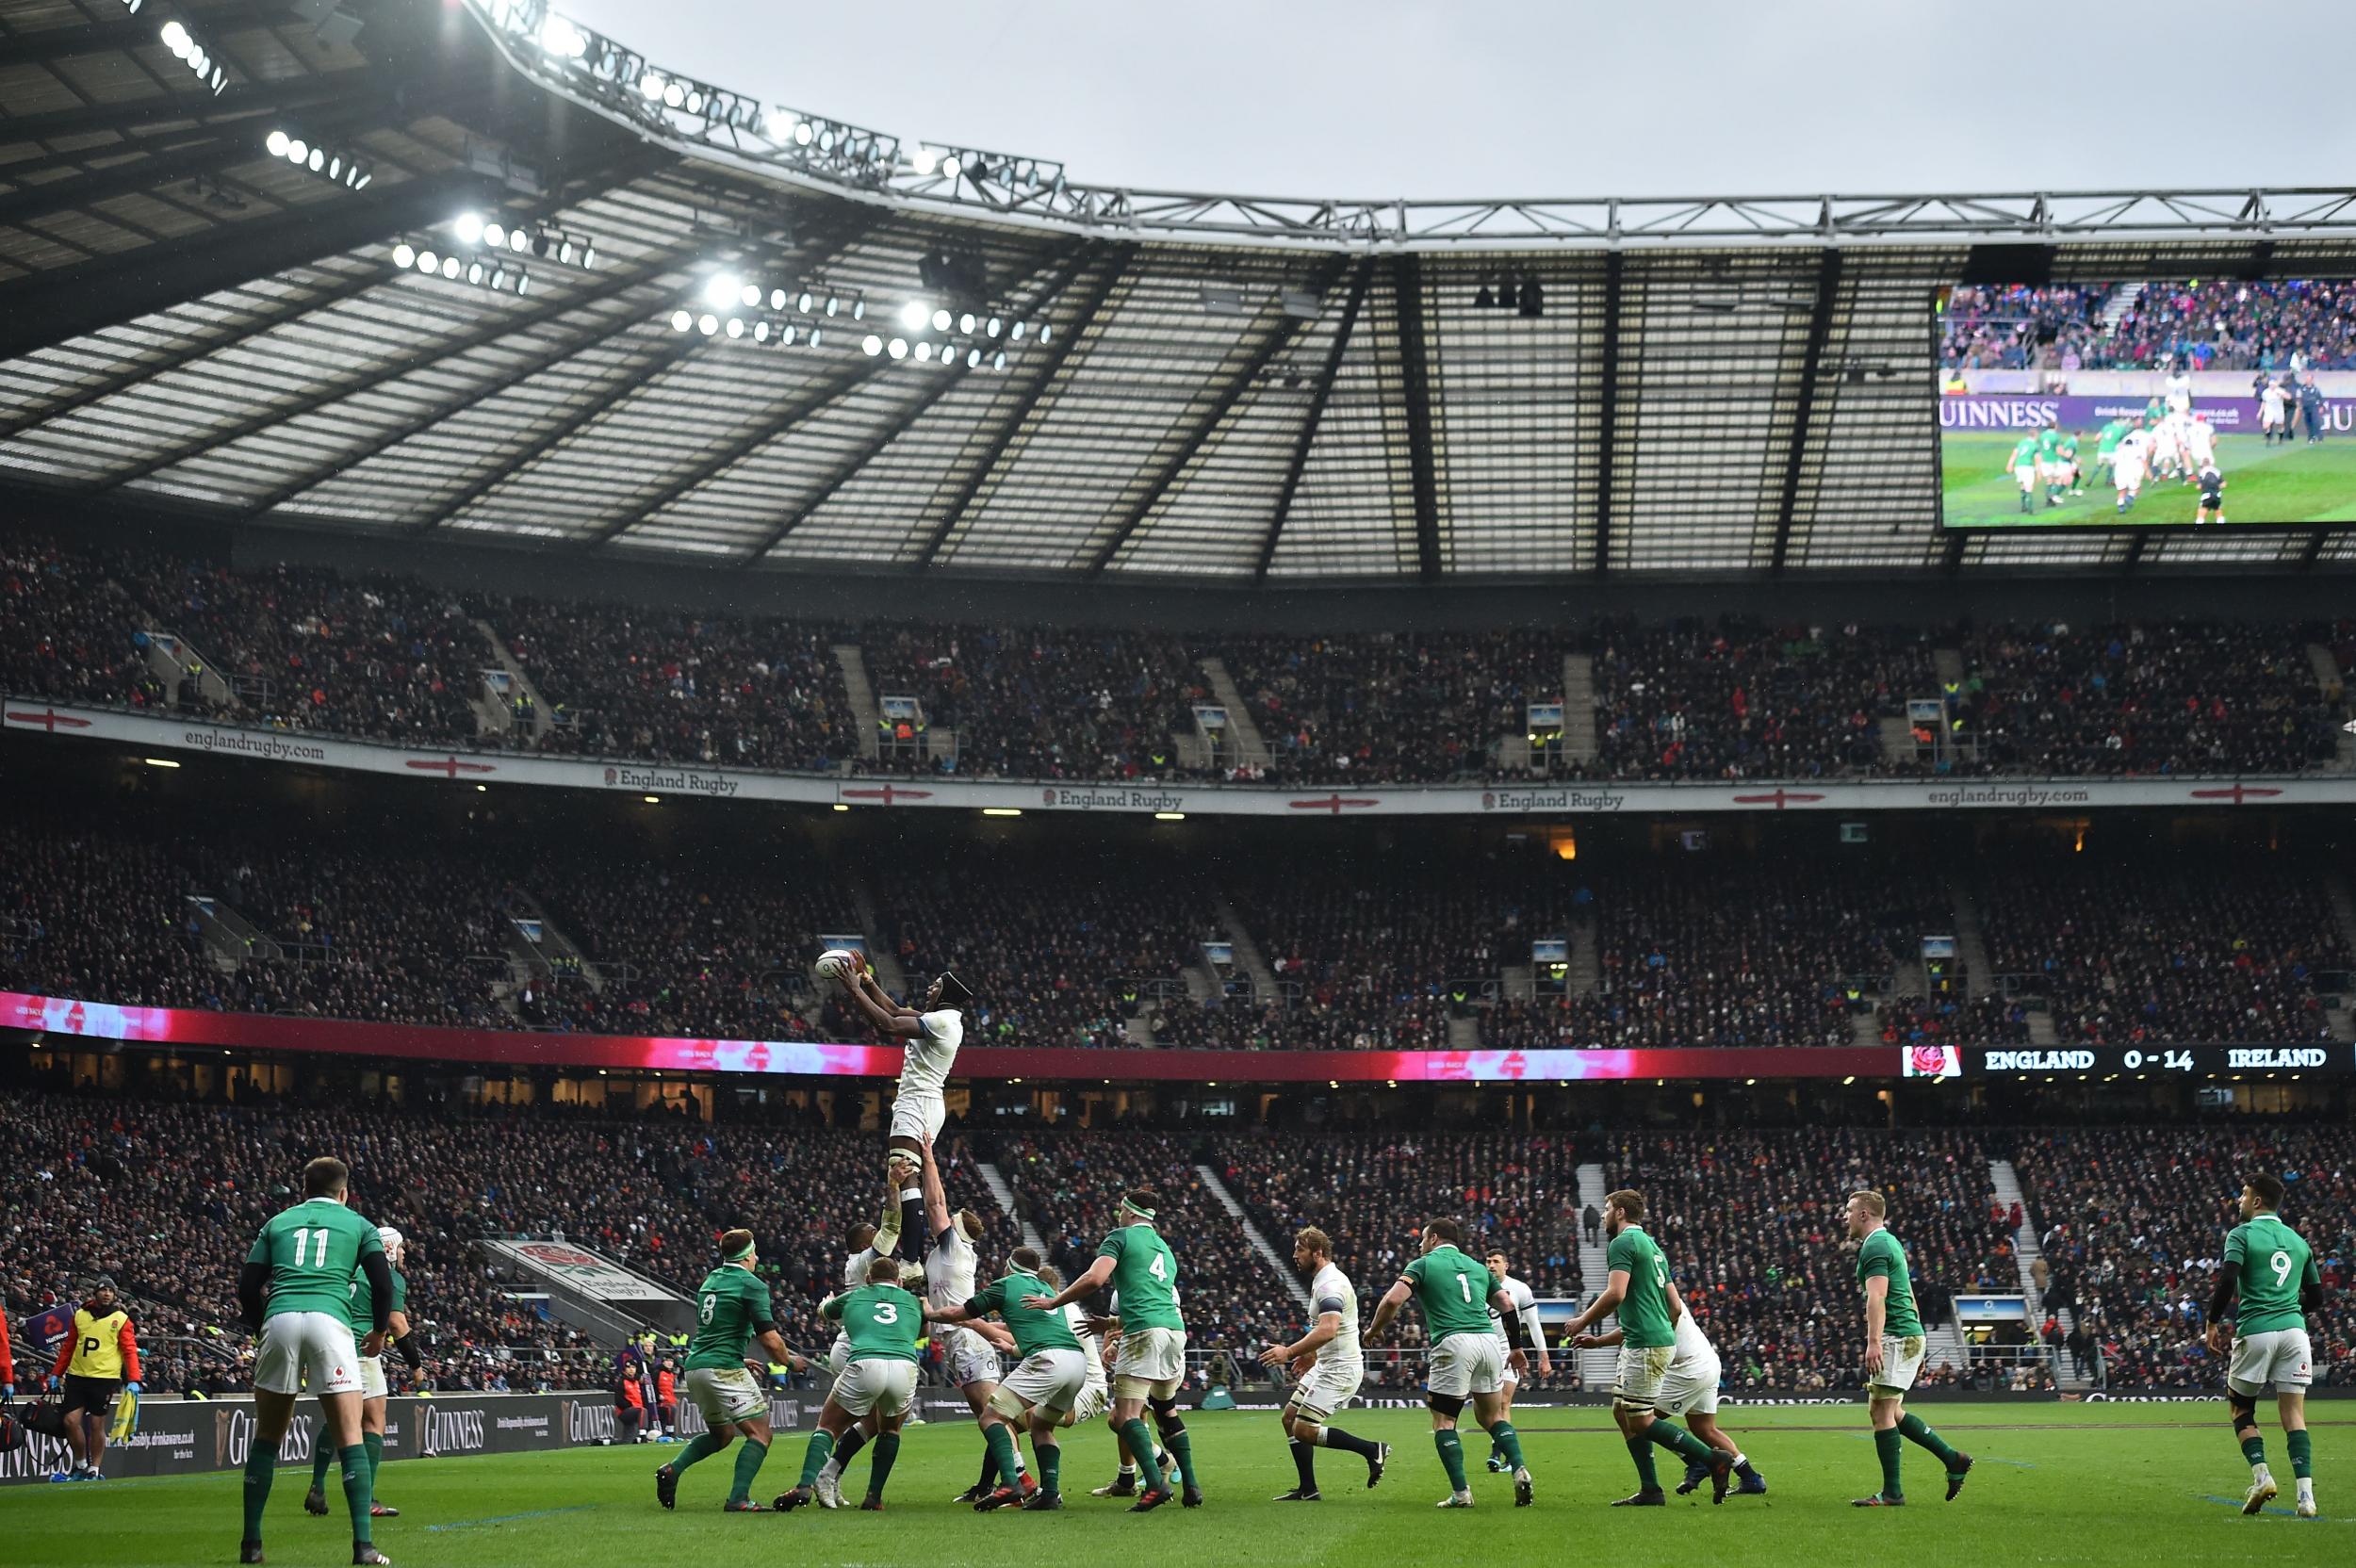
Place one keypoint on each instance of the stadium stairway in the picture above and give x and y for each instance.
(229, 937)
(556, 945)
(1282, 1267)
(1002, 1193)
(1251, 745)
(1586, 966)
(169, 655)
(2027, 1248)
(1897, 740)
(1579, 707)
(880, 958)
(543, 718)
(864, 713)
(1248, 955)
(2122, 299)
(1596, 1369)
(1971, 942)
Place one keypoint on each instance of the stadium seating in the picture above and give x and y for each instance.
(2134, 1221)
(2218, 324)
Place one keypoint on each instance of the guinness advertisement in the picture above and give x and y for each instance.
(183, 1436)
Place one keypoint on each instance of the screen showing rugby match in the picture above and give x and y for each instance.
(2192, 402)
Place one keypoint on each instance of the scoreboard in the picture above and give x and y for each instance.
(2148, 1061)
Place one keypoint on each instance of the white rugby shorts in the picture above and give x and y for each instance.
(2280, 1356)
(1901, 1362)
(966, 1357)
(1461, 1366)
(1050, 1382)
(919, 1115)
(317, 1344)
(1642, 1371)
(1328, 1387)
(1151, 1363)
(1096, 1397)
(725, 1394)
(886, 1387)
(373, 1384)
(1691, 1388)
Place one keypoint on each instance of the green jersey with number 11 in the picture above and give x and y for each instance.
(313, 1250)
(1146, 1274)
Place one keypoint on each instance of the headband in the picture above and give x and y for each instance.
(741, 1253)
(1141, 1213)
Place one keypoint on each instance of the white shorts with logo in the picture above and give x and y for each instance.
(1328, 1387)
(1461, 1366)
(1048, 1380)
(373, 1384)
(725, 1394)
(839, 1354)
(316, 1344)
(883, 1386)
(2280, 1356)
(919, 1115)
(1691, 1388)
(1642, 1371)
(1096, 1397)
(1902, 1361)
(966, 1357)
(1151, 1363)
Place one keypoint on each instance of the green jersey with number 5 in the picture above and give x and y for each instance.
(1146, 1275)
(313, 1250)
(2272, 1261)
(1643, 1311)
(1453, 1291)
(732, 1306)
(882, 1321)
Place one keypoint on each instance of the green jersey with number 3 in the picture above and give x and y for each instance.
(732, 1306)
(2273, 1261)
(1453, 1290)
(1146, 1275)
(1643, 1311)
(1882, 1255)
(882, 1321)
(313, 1250)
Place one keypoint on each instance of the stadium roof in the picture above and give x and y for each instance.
(1226, 389)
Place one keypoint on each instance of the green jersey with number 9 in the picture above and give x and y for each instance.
(1643, 1311)
(1453, 1291)
(1146, 1275)
(2272, 1261)
(732, 1306)
(882, 1321)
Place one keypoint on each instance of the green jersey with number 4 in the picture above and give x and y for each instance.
(1881, 1254)
(313, 1250)
(1033, 1331)
(1146, 1275)
(732, 1306)
(2273, 1261)
(882, 1321)
(1643, 1311)
(1453, 1290)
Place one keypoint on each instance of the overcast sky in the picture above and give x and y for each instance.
(1377, 98)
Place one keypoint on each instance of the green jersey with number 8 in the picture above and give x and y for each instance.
(313, 1250)
(732, 1306)
(1643, 1311)
(2273, 1261)
(882, 1321)
(1453, 1291)
(1146, 1274)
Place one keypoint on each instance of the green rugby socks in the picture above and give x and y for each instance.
(2302, 1453)
(1915, 1430)
(1678, 1440)
(1891, 1446)
(1504, 1437)
(749, 1459)
(703, 1447)
(1647, 1478)
(880, 1464)
(1141, 1443)
(814, 1457)
(358, 1489)
(261, 1466)
(1451, 1456)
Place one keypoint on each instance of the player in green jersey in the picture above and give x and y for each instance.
(883, 1321)
(1893, 1352)
(2065, 464)
(2022, 465)
(2106, 444)
(372, 1385)
(733, 1311)
(2271, 1267)
(1142, 1270)
(296, 1289)
(1039, 1393)
(1638, 1293)
(1457, 1293)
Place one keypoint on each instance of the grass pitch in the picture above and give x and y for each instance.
(2094, 1484)
(2294, 483)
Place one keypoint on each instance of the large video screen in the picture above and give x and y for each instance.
(2184, 403)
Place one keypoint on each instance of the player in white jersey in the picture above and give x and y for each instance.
(1690, 1389)
(1516, 1362)
(969, 1351)
(1329, 1366)
(2177, 389)
(2127, 466)
(2200, 439)
(929, 1040)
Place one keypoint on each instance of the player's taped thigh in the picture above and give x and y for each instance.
(2245, 1413)
(1166, 1416)
(1450, 1405)
(1006, 1403)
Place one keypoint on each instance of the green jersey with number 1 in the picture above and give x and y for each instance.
(1453, 1290)
(881, 1320)
(313, 1250)
(1643, 1311)
(1033, 1331)
(2273, 1261)
(1146, 1275)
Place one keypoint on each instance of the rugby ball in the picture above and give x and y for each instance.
(839, 963)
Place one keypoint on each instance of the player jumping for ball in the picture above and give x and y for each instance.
(931, 1037)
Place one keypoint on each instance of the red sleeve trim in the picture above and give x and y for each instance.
(128, 1343)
